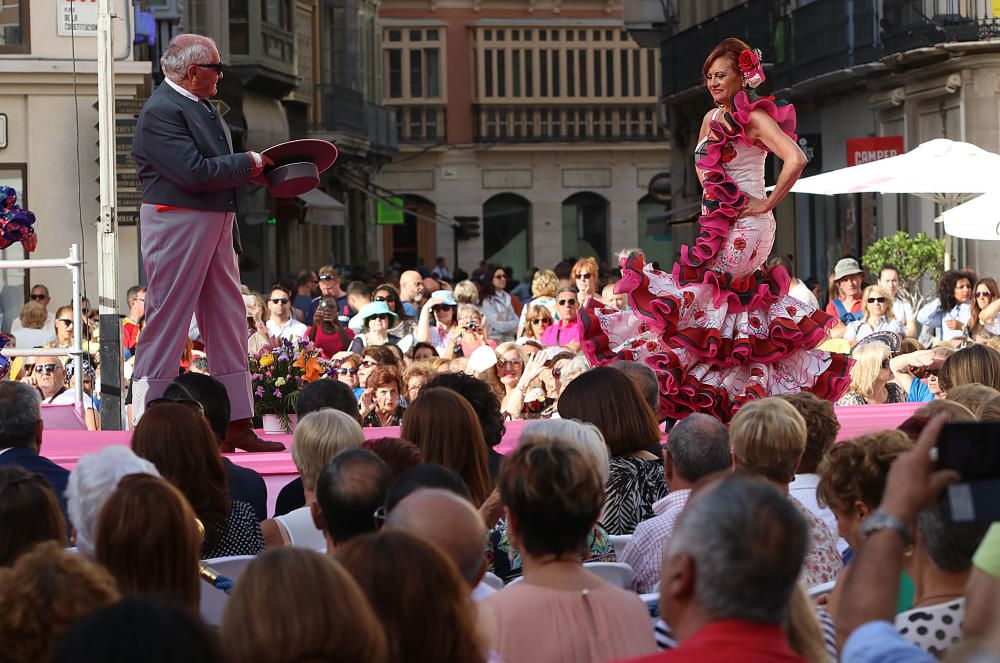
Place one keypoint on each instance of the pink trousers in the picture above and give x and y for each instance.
(192, 270)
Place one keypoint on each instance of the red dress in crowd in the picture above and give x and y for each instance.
(720, 330)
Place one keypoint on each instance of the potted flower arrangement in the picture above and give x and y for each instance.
(278, 372)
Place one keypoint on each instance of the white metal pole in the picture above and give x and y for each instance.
(107, 238)
(75, 268)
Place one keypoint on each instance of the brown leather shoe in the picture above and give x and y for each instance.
(240, 435)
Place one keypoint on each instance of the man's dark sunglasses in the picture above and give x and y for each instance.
(37, 297)
(217, 66)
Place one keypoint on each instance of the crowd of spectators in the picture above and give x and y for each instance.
(608, 533)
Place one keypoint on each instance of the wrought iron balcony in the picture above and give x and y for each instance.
(423, 125)
(380, 123)
(829, 35)
(908, 24)
(341, 109)
(538, 124)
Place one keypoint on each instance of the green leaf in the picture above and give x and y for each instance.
(914, 256)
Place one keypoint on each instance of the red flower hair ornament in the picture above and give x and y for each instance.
(749, 63)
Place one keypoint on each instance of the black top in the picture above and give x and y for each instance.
(29, 459)
(247, 486)
(291, 497)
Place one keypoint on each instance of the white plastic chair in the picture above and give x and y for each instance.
(616, 573)
(618, 542)
(213, 601)
(492, 580)
(652, 601)
(819, 590)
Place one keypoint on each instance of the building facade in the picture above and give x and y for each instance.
(915, 69)
(537, 119)
(48, 138)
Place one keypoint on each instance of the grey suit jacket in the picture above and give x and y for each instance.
(185, 155)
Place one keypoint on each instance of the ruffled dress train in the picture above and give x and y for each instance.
(720, 330)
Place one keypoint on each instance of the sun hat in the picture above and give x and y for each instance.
(372, 309)
(446, 297)
(846, 267)
(887, 338)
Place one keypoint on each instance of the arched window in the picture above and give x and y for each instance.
(507, 232)
(585, 226)
(656, 238)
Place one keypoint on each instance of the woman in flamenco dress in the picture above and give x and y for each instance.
(720, 330)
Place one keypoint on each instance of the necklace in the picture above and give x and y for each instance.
(952, 595)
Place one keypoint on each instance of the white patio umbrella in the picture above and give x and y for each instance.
(941, 170)
(977, 219)
(945, 171)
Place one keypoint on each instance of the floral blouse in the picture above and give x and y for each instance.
(896, 395)
(372, 421)
(505, 561)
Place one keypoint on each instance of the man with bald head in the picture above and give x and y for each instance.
(411, 291)
(452, 524)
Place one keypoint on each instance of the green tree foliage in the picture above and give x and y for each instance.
(914, 256)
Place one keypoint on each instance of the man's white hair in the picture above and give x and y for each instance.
(92, 481)
(183, 51)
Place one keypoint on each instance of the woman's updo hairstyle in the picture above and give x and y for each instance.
(730, 48)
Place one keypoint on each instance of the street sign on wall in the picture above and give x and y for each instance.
(864, 150)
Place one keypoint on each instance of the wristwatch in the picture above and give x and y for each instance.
(880, 520)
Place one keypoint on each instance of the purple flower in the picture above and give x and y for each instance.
(260, 392)
(277, 393)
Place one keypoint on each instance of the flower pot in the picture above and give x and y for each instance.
(272, 424)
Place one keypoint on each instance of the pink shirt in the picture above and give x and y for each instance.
(561, 333)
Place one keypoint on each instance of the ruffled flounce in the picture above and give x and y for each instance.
(716, 340)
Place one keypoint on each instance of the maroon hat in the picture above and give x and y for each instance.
(297, 165)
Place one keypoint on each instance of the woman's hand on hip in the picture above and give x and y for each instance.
(755, 206)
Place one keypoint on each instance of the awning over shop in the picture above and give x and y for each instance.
(267, 122)
(323, 210)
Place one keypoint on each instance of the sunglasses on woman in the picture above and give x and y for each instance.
(878, 300)
(585, 276)
(368, 363)
(440, 308)
(538, 321)
(347, 371)
(984, 294)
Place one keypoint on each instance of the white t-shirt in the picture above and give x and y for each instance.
(66, 398)
(301, 529)
(34, 338)
(902, 311)
(293, 330)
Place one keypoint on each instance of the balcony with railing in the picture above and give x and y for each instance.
(261, 51)
(824, 36)
(536, 124)
(422, 124)
(341, 110)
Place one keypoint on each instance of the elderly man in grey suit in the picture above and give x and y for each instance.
(189, 236)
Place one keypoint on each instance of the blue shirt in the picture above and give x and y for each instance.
(879, 642)
(919, 392)
(410, 310)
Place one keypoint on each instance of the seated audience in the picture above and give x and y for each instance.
(53, 387)
(46, 590)
(293, 604)
(139, 629)
(92, 481)
(415, 377)
(870, 377)
(348, 368)
(865, 612)
(698, 447)
(245, 484)
(178, 440)
(21, 434)
(876, 315)
(822, 427)
(729, 572)
(29, 513)
(940, 566)
(485, 404)
(972, 395)
(312, 397)
(147, 537)
(975, 364)
(350, 489)
(418, 595)
(319, 436)
(768, 438)
(610, 400)
(380, 404)
(397, 453)
(425, 475)
(851, 482)
(560, 611)
(451, 523)
(586, 438)
(444, 426)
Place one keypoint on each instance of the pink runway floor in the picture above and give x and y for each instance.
(65, 447)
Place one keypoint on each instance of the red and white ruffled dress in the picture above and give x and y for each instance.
(720, 330)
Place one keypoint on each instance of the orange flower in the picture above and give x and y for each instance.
(311, 367)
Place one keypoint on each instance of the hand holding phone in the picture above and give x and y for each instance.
(972, 449)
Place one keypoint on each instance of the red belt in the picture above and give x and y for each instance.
(167, 208)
